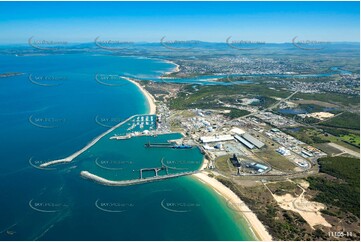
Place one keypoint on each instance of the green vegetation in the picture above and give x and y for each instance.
(209, 96)
(283, 225)
(311, 108)
(330, 97)
(342, 191)
(352, 139)
(283, 187)
(264, 101)
(223, 164)
(276, 160)
(349, 136)
(312, 136)
(345, 120)
(309, 136)
(235, 113)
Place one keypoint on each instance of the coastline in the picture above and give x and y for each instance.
(255, 225)
(146, 94)
(175, 70)
(152, 110)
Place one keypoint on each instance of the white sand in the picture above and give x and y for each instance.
(175, 70)
(310, 211)
(256, 225)
(149, 97)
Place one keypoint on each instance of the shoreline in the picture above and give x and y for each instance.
(152, 110)
(254, 223)
(150, 99)
(175, 69)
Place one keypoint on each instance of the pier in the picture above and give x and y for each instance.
(121, 137)
(101, 180)
(168, 145)
(93, 142)
(159, 145)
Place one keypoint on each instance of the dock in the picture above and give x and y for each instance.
(159, 145)
(168, 145)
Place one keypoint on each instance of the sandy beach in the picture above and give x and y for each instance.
(175, 70)
(150, 98)
(257, 227)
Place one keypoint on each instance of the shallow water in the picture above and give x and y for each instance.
(58, 115)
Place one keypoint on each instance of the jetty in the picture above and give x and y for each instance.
(159, 145)
(93, 142)
(172, 145)
(103, 181)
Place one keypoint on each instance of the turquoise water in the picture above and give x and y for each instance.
(55, 109)
(122, 159)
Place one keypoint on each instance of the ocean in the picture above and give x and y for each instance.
(58, 105)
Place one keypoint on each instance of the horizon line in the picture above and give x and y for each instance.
(199, 41)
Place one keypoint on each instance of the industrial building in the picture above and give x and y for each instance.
(235, 161)
(249, 141)
(306, 154)
(244, 142)
(237, 131)
(283, 151)
(257, 166)
(253, 140)
(216, 138)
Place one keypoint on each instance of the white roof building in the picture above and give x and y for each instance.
(216, 138)
(283, 151)
(238, 131)
(253, 140)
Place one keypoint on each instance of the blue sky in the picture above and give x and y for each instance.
(206, 21)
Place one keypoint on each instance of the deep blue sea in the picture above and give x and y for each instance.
(51, 111)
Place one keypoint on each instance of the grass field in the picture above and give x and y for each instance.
(334, 98)
(208, 96)
(349, 136)
(327, 149)
(283, 187)
(223, 164)
(352, 139)
(236, 113)
(315, 137)
(345, 120)
(276, 160)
